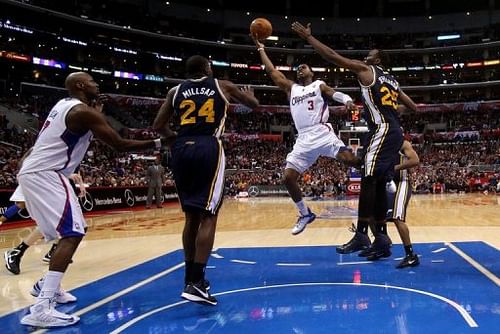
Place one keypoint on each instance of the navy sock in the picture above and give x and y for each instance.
(188, 271)
(409, 250)
(22, 247)
(362, 227)
(198, 272)
(381, 228)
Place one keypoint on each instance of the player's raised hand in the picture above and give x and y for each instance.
(255, 38)
(302, 31)
(247, 90)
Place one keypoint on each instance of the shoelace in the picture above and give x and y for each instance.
(352, 228)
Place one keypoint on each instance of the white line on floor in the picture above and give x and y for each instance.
(243, 262)
(351, 263)
(293, 264)
(474, 263)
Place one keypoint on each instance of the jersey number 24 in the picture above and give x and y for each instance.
(192, 111)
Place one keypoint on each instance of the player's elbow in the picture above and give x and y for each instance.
(415, 161)
(119, 145)
(253, 103)
(157, 126)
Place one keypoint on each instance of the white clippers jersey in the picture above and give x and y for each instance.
(56, 148)
(307, 106)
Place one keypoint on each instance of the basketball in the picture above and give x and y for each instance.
(261, 27)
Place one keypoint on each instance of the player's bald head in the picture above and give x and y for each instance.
(74, 79)
(81, 84)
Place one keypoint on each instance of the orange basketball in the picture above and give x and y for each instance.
(261, 27)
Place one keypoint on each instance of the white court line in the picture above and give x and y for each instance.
(439, 250)
(122, 292)
(351, 263)
(243, 262)
(437, 261)
(474, 263)
(467, 317)
(293, 264)
(217, 256)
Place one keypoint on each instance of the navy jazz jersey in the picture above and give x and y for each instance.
(200, 108)
(380, 99)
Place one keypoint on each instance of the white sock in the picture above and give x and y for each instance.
(51, 284)
(302, 207)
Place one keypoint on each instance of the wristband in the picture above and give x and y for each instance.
(157, 142)
(341, 97)
(260, 49)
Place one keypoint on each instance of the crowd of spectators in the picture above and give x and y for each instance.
(454, 166)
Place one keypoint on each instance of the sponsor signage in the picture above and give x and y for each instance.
(101, 198)
(258, 191)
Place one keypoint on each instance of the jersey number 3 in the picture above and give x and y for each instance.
(206, 110)
(390, 97)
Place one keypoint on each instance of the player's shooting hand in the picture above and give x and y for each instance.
(103, 99)
(302, 31)
(247, 90)
(255, 38)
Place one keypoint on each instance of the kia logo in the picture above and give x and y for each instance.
(87, 202)
(355, 187)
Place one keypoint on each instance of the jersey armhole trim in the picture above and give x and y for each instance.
(175, 94)
(220, 91)
(373, 81)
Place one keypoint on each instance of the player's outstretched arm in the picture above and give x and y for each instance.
(327, 53)
(407, 101)
(278, 77)
(83, 118)
(340, 97)
(244, 95)
(161, 124)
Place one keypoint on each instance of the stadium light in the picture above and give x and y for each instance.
(446, 37)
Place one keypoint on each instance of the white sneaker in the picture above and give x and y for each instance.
(61, 296)
(302, 222)
(43, 314)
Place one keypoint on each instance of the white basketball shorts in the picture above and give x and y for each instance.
(53, 204)
(18, 195)
(313, 142)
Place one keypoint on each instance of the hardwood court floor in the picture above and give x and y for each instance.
(122, 239)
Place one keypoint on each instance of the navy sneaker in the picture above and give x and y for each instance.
(197, 292)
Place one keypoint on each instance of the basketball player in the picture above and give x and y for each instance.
(381, 93)
(309, 109)
(13, 256)
(199, 106)
(408, 158)
(58, 150)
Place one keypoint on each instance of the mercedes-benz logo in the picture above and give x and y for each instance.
(253, 191)
(129, 197)
(87, 202)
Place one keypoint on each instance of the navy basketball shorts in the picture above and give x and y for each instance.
(198, 165)
(398, 202)
(381, 148)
